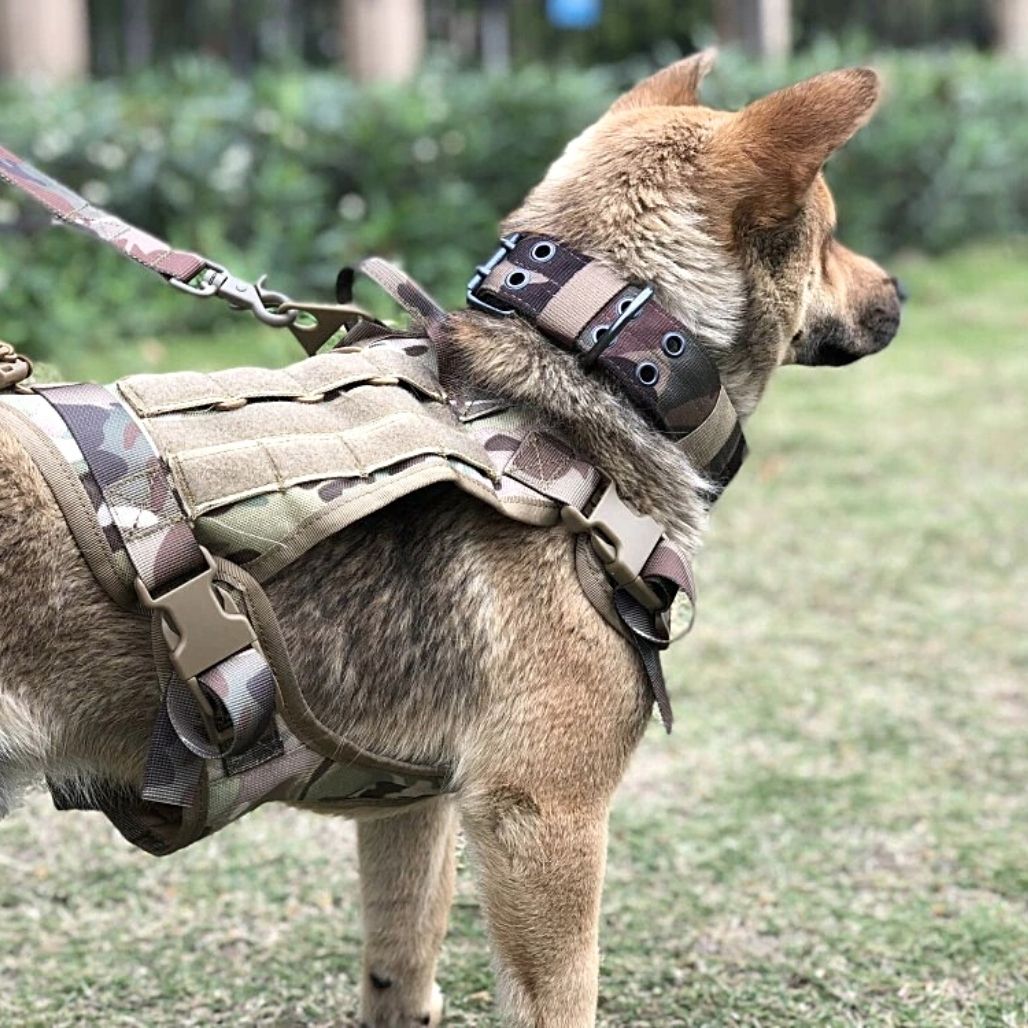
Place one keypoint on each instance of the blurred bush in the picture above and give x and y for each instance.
(297, 172)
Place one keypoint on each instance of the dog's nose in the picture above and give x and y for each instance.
(901, 290)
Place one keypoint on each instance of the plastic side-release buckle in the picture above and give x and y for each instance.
(202, 626)
(623, 540)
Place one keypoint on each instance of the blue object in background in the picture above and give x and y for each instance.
(574, 14)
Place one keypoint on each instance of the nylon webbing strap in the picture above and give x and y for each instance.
(66, 205)
(616, 326)
(548, 466)
(312, 324)
(403, 289)
(141, 516)
(146, 520)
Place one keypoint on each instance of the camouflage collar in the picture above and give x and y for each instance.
(617, 326)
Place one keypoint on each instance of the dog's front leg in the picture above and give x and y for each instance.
(407, 867)
(541, 874)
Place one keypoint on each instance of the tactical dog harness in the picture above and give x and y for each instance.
(186, 491)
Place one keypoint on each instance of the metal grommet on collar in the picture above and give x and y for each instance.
(647, 373)
(516, 279)
(673, 344)
(625, 304)
(543, 252)
(599, 332)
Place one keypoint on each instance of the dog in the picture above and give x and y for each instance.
(474, 645)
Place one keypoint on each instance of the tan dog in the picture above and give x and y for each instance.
(474, 645)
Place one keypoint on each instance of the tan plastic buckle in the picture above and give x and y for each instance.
(202, 626)
(623, 540)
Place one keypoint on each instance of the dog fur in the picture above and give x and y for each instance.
(439, 631)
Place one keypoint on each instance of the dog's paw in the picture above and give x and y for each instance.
(390, 1018)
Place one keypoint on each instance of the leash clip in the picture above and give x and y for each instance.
(263, 304)
(315, 323)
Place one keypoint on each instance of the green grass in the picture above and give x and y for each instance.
(836, 833)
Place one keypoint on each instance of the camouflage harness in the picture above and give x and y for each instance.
(185, 492)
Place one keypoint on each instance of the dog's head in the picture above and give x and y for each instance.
(728, 214)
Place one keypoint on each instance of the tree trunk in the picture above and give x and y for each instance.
(762, 27)
(45, 40)
(138, 33)
(495, 35)
(1012, 25)
(382, 40)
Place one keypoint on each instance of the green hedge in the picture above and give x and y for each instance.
(297, 172)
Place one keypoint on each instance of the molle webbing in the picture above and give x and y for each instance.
(616, 326)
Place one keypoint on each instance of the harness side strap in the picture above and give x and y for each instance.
(223, 693)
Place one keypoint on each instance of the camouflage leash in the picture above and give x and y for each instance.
(312, 324)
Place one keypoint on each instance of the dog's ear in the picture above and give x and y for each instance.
(677, 85)
(781, 142)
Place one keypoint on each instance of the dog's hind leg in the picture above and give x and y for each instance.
(541, 874)
(407, 867)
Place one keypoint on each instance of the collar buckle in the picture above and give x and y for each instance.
(482, 272)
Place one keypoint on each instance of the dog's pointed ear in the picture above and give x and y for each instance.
(782, 141)
(677, 85)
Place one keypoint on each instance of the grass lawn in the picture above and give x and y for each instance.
(837, 831)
